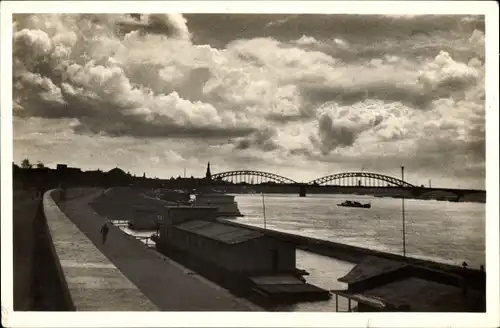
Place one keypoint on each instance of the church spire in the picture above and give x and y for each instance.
(208, 175)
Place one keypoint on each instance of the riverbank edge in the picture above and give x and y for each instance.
(355, 254)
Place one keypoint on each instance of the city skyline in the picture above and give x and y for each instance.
(301, 96)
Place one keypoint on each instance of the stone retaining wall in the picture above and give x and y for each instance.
(26, 210)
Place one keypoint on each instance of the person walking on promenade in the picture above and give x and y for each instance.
(104, 232)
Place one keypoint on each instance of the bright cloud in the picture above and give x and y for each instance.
(298, 103)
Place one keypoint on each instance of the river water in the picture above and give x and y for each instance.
(441, 231)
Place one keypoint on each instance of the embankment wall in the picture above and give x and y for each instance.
(26, 210)
(37, 282)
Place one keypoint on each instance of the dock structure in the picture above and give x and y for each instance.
(246, 261)
(123, 274)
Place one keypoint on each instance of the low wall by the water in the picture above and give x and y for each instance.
(51, 256)
(37, 285)
(87, 280)
(72, 193)
(356, 254)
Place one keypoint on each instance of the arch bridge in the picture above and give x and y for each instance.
(360, 179)
(349, 180)
(251, 177)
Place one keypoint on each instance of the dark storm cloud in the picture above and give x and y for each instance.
(332, 135)
(124, 126)
(292, 27)
(367, 36)
(414, 46)
(346, 95)
(286, 119)
(154, 24)
(373, 28)
(261, 139)
(136, 16)
(96, 115)
(306, 112)
(220, 29)
(440, 77)
(300, 152)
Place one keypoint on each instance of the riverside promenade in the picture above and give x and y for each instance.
(87, 280)
(165, 283)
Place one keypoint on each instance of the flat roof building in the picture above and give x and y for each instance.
(236, 257)
(382, 285)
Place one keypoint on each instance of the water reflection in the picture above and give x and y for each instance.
(441, 231)
(323, 272)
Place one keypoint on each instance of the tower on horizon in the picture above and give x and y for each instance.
(208, 175)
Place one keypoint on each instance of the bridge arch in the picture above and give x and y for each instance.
(348, 179)
(251, 177)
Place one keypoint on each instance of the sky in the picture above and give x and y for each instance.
(302, 96)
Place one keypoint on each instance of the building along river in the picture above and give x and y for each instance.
(440, 231)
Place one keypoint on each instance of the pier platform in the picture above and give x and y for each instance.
(138, 278)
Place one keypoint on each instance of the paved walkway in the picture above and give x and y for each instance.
(94, 283)
(170, 286)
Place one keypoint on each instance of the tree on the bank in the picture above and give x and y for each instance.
(40, 165)
(25, 164)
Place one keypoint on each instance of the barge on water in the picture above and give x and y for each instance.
(248, 263)
(349, 203)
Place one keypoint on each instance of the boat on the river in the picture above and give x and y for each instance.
(349, 203)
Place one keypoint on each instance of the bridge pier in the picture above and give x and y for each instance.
(302, 191)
